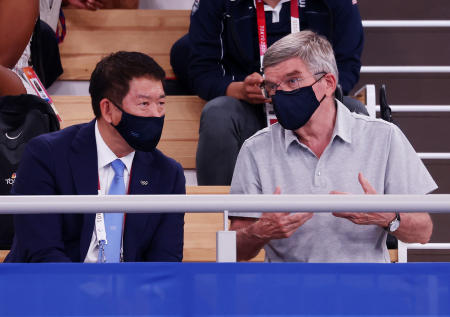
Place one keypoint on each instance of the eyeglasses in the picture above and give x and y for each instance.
(268, 88)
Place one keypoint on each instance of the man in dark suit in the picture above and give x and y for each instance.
(128, 102)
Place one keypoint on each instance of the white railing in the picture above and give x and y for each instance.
(226, 240)
(434, 156)
(406, 23)
(372, 108)
(417, 108)
(405, 69)
(219, 203)
(403, 248)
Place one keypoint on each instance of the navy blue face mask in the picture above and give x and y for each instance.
(141, 133)
(294, 108)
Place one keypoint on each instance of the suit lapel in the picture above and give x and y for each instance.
(143, 178)
(84, 166)
(143, 175)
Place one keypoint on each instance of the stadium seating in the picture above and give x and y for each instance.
(94, 34)
(180, 134)
(414, 46)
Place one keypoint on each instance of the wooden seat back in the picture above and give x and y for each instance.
(180, 134)
(92, 35)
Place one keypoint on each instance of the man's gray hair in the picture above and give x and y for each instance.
(313, 49)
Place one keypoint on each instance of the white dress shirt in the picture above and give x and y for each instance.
(275, 11)
(106, 174)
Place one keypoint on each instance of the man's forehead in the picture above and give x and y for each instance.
(289, 67)
(145, 87)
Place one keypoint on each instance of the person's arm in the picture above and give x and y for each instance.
(10, 83)
(347, 41)
(206, 71)
(121, 4)
(84, 4)
(17, 20)
(167, 242)
(39, 236)
(414, 227)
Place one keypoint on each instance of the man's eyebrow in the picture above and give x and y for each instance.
(148, 97)
(295, 72)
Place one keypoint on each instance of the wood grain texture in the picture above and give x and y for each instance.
(92, 35)
(180, 134)
(3, 254)
(200, 229)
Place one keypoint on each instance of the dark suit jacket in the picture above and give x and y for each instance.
(65, 163)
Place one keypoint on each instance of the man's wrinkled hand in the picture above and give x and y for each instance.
(365, 218)
(280, 225)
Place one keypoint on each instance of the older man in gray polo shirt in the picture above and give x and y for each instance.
(319, 147)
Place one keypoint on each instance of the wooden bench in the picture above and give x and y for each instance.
(180, 134)
(92, 35)
(200, 229)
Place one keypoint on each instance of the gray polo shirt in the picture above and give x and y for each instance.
(274, 157)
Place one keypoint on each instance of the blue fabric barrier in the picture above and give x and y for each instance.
(200, 289)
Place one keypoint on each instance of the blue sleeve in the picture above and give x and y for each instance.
(38, 236)
(167, 243)
(206, 71)
(348, 41)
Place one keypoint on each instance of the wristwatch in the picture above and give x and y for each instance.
(394, 224)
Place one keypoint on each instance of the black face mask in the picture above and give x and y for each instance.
(294, 108)
(141, 133)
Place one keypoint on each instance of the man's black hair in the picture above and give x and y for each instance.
(112, 75)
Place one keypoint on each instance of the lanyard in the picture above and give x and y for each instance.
(261, 20)
(100, 229)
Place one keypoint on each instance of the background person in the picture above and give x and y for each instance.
(220, 60)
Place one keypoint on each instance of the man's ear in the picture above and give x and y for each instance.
(331, 84)
(106, 108)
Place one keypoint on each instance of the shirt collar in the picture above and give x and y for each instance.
(342, 127)
(269, 8)
(275, 11)
(344, 122)
(104, 154)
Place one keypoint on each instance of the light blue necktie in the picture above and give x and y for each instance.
(114, 221)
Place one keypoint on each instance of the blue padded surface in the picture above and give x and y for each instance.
(200, 289)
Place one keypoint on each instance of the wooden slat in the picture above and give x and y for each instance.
(361, 96)
(3, 254)
(200, 229)
(207, 190)
(200, 237)
(180, 135)
(393, 253)
(92, 35)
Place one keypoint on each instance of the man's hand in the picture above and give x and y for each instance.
(365, 218)
(279, 225)
(253, 234)
(248, 90)
(85, 4)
